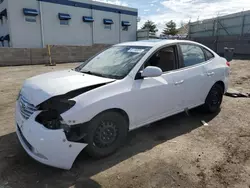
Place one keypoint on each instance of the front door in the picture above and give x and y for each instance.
(156, 98)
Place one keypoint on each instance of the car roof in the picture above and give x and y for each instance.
(153, 42)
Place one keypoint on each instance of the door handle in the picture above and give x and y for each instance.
(179, 82)
(210, 73)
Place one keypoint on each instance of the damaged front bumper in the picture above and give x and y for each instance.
(49, 147)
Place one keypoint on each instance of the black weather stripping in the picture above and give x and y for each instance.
(73, 93)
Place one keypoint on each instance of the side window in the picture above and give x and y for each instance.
(64, 22)
(30, 18)
(192, 54)
(107, 27)
(125, 28)
(164, 59)
(208, 54)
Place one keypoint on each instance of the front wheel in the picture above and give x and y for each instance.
(106, 133)
(214, 99)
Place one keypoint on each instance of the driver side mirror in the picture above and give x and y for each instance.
(151, 71)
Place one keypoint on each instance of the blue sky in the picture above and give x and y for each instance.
(162, 11)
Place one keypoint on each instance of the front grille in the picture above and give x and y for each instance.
(26, 108)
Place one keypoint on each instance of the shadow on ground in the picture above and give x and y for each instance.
(17, 169)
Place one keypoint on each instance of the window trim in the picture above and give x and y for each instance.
(177, 58)
(30, 12)
(88, 19)
(64, 16)
(107, 21)
(126, 23)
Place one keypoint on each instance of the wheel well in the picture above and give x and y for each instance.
(220, 83)
(118, 110)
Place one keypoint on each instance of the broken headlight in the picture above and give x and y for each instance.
(50, 119)
(51, 110)
(60, 105)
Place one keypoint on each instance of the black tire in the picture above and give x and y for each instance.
(214, 99)
(106, 133)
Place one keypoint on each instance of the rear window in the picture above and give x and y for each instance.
(208, 54)
(192, 54)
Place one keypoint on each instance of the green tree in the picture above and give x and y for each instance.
(170, 28)
(151, 26)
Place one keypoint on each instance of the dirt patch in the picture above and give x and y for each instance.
(240, 75)
(232, 169)
(175, 152)
(242, 80)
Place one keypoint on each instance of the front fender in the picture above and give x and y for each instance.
(81, 114)
(114, 95)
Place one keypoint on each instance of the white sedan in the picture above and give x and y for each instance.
(129, 85)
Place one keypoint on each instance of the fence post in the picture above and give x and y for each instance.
(215, 33)
(214, 28)
(189, 30)
(31, 58)
(49, 54)
(242, 26)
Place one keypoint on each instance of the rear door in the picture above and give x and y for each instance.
(190, 78)
(214, 68)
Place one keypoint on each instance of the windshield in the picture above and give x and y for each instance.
(115, 62)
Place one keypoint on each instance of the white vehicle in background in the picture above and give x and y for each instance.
(127, 86)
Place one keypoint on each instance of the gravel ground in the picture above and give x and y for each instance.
(175, 152)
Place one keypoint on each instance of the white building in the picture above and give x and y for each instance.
(36, 23)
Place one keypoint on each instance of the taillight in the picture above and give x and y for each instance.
(228, 64)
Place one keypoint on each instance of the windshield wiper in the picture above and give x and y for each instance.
(101, 75)
(93, 73)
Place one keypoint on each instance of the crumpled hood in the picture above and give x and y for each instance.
(42, 87)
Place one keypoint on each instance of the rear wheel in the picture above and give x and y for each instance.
(214, 99)
(106, 133)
